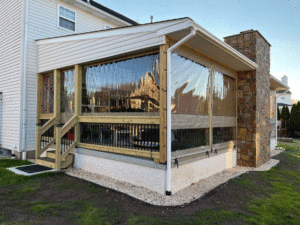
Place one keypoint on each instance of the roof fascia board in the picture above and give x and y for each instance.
(227, 48)
(278, 81)
(175, 27)
(100, 11)
(114, 32)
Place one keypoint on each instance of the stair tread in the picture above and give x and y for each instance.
(53, 152)
(47, 159)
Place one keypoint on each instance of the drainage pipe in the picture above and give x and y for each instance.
(23, 119)
(169, 74)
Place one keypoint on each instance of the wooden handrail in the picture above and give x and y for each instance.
(68, 125)
(63, 157)
(48, 125)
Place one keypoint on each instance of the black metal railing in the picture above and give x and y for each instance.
(67, 140)
(47, 137)
(132, 136)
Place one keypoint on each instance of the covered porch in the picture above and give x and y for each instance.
(108, 97)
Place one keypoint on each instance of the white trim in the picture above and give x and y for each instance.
(107, 25)
(58, 16)
(102, 12)
(109, 33)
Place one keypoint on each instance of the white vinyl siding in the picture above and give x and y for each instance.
(70, 53)
(1, 103)
(43, 23)
(11, 21)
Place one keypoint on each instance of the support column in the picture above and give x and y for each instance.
(58, 146)
(163, 103)
(38, 113)
(58, 126)
(78, 100)
(253, 99)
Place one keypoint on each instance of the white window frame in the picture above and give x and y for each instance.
(58, 16)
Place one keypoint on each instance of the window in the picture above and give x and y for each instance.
(107, 27)
(66, 18)
(282, 97)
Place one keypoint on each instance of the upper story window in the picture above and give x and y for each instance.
(282, 98)
(107, 27)
(66, 18)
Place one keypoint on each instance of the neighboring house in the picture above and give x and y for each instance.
(284, 97)
(23, 22)
(160, 105)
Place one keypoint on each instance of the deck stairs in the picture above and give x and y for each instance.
(52, 137)
(49, 160)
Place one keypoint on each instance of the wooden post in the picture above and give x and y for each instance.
(38, 113)
(58, 146)
(38, 140)
(57, 87)
(78, 99)
(163, 103)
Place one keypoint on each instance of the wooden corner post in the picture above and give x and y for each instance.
(78, 100)
(38, 113)
(163, 103)
(57, 89)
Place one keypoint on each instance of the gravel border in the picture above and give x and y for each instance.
(181, 197)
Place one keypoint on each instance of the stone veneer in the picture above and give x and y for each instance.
(253, 99)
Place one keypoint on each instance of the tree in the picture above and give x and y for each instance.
(278, 114)
(285, 113)
(295, 117)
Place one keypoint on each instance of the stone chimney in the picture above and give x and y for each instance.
(253, 99)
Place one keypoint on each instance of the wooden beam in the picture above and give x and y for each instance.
(120, 119)
(78, 99)
(163, 102)
(46, 116)
(68, 125)
(124, 151)
(57, 87)
(38, 141)
(47, 125)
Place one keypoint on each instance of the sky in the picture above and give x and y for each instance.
(277, 20)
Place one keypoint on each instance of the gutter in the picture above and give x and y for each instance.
(23, 114)
(169, 74)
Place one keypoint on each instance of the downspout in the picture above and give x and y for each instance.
(23, 121)
(276, 118)
(169, 73)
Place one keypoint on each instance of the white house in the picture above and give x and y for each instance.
(160, 105)
(284, 97)
(21, 23)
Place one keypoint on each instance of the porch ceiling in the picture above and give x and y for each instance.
(215, 49)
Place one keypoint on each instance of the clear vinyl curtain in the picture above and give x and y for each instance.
(224, 106)
(131, 85)
(189, 104)
(67, 95)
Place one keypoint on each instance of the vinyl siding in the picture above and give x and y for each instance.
(43, 23)
(71, 53)
(11, 23)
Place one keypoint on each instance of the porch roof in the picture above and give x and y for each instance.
(133, 39)
(276, 84)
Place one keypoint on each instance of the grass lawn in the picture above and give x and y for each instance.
(270, 197)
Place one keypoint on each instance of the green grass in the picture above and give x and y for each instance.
(98, 216)
(281, 185)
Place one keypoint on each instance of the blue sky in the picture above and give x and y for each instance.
(277, 20)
